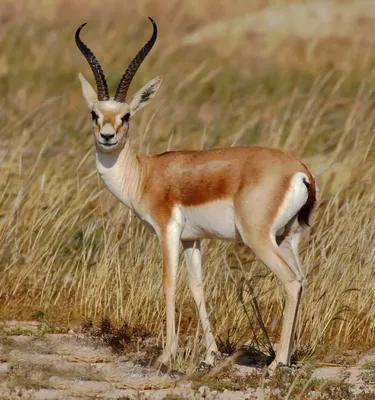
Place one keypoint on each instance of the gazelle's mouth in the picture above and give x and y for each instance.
(107, 144)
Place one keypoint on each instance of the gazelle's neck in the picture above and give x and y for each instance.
(121, 173)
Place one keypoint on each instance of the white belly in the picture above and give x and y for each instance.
(211, 220)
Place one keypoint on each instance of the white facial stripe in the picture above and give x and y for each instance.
(99, 114)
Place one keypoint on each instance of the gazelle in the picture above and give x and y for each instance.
(260, 196)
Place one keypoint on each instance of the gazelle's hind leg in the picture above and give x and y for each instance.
(259, 233)
(270, 254)
(288, 244)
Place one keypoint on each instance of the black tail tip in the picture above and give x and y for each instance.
(306, 211)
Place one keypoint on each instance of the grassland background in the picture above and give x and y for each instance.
(70, 250)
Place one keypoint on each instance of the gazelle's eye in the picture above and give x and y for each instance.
(94, 116)
(125, 118)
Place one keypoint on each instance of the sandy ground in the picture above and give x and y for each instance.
(39, 365)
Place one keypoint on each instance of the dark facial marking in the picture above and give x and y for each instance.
(147, 93)
(125, 118)
(94, 116)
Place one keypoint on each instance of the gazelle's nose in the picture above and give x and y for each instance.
(107, 136)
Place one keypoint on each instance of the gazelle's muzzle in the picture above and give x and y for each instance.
(107, 136)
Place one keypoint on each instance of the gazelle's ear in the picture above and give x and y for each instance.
(144, 96)
(88, 91)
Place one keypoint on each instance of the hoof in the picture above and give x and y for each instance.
(160, 366)
(163, 362)
(204, 366)
(164, 359)
(275, 365)
(212, 357)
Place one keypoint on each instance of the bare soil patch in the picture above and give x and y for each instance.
(35, 364)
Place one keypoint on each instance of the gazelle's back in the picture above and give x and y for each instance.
(192, 178)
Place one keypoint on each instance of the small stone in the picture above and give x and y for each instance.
(203, 391)
(4, 368)
(46, 394)
(22, 339)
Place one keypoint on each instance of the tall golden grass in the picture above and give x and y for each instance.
(69, 249)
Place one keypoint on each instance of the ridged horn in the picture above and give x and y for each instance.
(99, 76)
(123, 86)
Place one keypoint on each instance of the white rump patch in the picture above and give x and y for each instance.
(293, 201)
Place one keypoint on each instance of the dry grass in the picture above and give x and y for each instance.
(70, 250)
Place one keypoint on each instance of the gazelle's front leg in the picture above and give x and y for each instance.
(170, 240)
(193, 258)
